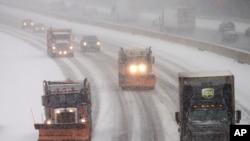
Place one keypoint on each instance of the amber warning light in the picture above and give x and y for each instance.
(239, 132)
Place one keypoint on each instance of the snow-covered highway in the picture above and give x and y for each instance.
(117, 115)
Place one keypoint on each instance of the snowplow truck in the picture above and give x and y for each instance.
(59, 42)
(67, 106)
(135, 68)
(207, 106)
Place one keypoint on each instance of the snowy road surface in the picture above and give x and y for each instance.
(117, 115)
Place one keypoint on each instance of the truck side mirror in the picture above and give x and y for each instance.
(177, 119)
(238, 116)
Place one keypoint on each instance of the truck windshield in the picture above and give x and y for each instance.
(208, 115)
(60, 100)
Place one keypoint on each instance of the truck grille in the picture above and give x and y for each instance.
(62, 46)
(91, 43)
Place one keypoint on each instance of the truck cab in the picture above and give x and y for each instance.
(67, 107)
(207, 106)
(59, 42)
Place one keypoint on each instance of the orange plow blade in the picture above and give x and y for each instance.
(139, 82)
(68, 132)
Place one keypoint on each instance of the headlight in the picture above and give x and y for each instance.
(24, 24)
(60, 52)
(71, 110)
(98, 43)
(133, 69)
(53, 47)
(142, 68)
(31, 23)
(49, 121)
(58, 111)
(65, 52)
(84, 43)
(83, 120)
(71, 47)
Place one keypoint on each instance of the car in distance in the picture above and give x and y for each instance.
(39, 28)
(28, 23)
(90, 43)
(226, 26)
(229, 36)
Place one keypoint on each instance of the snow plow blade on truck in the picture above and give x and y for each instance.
(148, 81)
(69, 132)
(136, 68)
(67, 111)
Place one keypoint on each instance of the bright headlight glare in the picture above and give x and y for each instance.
(132, 68)
(84, 43)
(71, 47)
(98, 43)
(58, 111)
(31, 23)
(142, 68)
(24, 23)
(83, 120)
(48, 121)
(65, 52)
(71, 110)
(54, 47)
